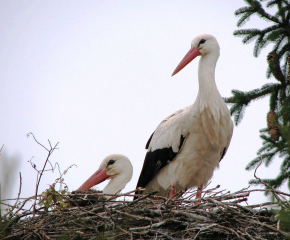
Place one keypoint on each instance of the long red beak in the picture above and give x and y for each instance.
(192, 54)
(98, 177)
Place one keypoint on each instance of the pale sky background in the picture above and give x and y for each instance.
(96, 77)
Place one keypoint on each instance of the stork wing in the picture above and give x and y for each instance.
(230, 128)
(163, 146)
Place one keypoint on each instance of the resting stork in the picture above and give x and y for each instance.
(188, 145)
(116, 167)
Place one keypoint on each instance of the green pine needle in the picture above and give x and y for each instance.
(278, 36)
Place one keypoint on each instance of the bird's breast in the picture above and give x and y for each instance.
(201, 153)
(211, 119)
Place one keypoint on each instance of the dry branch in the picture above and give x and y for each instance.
(218, 216)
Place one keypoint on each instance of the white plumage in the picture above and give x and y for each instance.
(116, 167)
(187, 146)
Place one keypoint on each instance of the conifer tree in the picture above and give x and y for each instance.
(276, 137)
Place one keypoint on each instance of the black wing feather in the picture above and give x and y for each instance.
(149, 140)
(224, 153)
(154, 161)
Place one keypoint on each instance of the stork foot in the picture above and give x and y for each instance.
(172, 192)
(198, 195)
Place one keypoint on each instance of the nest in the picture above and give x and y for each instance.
(217, 215)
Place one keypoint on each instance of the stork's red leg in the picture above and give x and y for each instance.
(172, 192)
(198, 195)
(199, 189)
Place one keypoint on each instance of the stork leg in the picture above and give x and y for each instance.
(198, 195)
(172, 191)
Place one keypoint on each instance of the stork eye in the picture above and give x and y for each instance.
(201, 41)
(111, 162)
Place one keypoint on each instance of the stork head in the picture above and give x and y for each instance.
(201, 45)
(112, 166)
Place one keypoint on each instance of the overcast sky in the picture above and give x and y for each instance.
(95, 76)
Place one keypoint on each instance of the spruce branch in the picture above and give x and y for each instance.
(271, 3)
(274, 100)
(248, 34)
(261, 12)
(244, 14)
(240, 100)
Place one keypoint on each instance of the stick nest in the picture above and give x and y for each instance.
(218, 215)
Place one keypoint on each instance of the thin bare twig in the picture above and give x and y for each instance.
(19, 191)
(30, 133)
(50, 151)
(1, 149)
(274, 191)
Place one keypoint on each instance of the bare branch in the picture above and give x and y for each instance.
(40, 173)
(28, 134)
(1, 149)
(19, 191)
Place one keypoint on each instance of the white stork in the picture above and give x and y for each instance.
(188, 145)
(116, 167)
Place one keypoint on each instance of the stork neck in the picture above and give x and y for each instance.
(116, 184)
(206, 75)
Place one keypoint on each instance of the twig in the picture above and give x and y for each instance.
(138, 199)
(19, 191)
(1, 149)
(190, 216)
(137, 217)
(267, 185)
(155, 225)
(50, 151)
(30, 133)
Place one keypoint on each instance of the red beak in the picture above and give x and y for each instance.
(192, 54)
(98, 177)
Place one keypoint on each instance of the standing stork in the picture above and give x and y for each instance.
(188, 145)
(116, 167)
